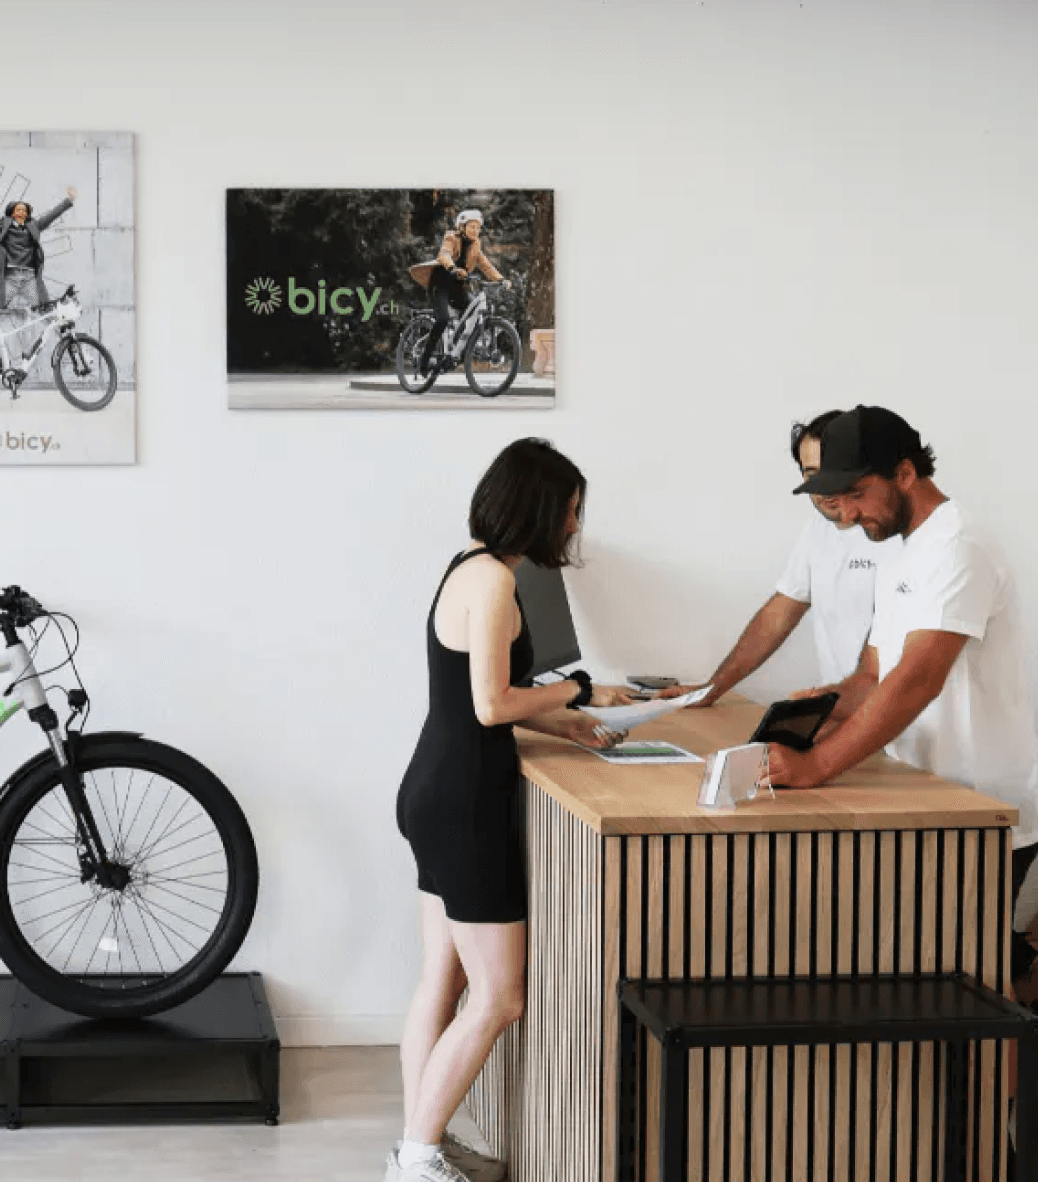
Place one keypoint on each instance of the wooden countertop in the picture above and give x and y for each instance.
(877, 794)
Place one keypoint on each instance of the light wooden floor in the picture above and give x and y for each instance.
(341, 1110)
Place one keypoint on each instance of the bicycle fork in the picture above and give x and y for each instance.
(23, 684)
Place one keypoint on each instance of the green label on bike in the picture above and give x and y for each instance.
(8, 706)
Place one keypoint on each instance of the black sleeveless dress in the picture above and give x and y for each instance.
(458, 804)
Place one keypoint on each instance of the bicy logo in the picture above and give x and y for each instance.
(9, 441)
(264, 296)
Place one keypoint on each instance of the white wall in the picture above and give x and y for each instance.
(765, 209)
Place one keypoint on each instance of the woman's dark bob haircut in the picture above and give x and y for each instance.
(521, 505)
(9, 211)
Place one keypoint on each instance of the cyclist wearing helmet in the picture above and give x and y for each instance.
(460, 254)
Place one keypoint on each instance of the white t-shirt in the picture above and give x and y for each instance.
(949, 576)
(834, 570)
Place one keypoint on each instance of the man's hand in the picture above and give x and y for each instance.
(71, 192)
(676, 691)
(459, 272)
(816, 691)
(793, 769)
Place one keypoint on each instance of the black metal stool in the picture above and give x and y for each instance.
(795, 1011)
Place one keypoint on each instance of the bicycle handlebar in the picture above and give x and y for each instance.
(20, 606)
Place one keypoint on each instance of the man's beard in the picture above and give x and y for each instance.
(898, 522)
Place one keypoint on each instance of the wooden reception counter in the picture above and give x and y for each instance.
(887, 870)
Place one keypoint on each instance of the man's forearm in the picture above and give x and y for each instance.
(761, 637)
(885, 712)
(853, 691)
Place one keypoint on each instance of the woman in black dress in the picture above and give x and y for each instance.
(458, 803)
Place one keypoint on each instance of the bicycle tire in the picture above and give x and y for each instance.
(40, 796)
(412, 339)
(82, 341)
(494, 325)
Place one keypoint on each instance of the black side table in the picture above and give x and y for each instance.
(796, 1011)
(214, 1057)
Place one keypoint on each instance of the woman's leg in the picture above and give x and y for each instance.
(432, 1008)
(493, 956)
(439, 293)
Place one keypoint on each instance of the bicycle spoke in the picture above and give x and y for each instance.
(147, 932)
(140, 805)
(133, 947)
(176, 916)
(165, 927)
(146, 847)
(28, 848)
(153, 848)
(39, 894)
(188, 861)
(66, 925)
(193, 902)
(72, 950)
(97, 946)
(181, 845)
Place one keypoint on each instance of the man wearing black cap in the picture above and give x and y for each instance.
(942, 683)
(831, 572)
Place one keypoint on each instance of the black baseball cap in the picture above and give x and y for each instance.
(860, 442)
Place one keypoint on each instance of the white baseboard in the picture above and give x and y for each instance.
(339, 1030)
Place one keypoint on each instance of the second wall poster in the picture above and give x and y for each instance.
(388, 298)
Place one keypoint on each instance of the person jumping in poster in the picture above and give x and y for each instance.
(460, 254)
(21, 254)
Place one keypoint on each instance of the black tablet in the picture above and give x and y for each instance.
(795, 724)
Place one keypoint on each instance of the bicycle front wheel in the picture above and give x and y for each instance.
(409, 352)
(492, 357)
(191, 878)
(84, 372)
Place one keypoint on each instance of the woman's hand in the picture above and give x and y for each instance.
(71, 192)
(815, 691)
(609, 695)
(459, 272)
(589, 733)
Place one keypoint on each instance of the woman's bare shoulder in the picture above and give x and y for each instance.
(488, 575)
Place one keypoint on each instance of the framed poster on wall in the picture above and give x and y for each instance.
(390, 298)
(67, 298)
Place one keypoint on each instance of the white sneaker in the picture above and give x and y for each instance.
(392, 1173)
(479, 1167)
(436, 1169)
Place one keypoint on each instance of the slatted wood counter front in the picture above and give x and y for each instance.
(887, 870)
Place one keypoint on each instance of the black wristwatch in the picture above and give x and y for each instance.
(584, 681)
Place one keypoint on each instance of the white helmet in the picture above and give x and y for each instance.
(468, 215)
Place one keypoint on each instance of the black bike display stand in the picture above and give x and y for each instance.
(214, 1057)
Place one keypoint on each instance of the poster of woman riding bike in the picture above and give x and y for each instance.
(390, 298)
(67, 303)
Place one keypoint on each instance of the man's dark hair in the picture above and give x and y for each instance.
(923, 460)
(521, 504)
(9, 211)
(811, 430)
